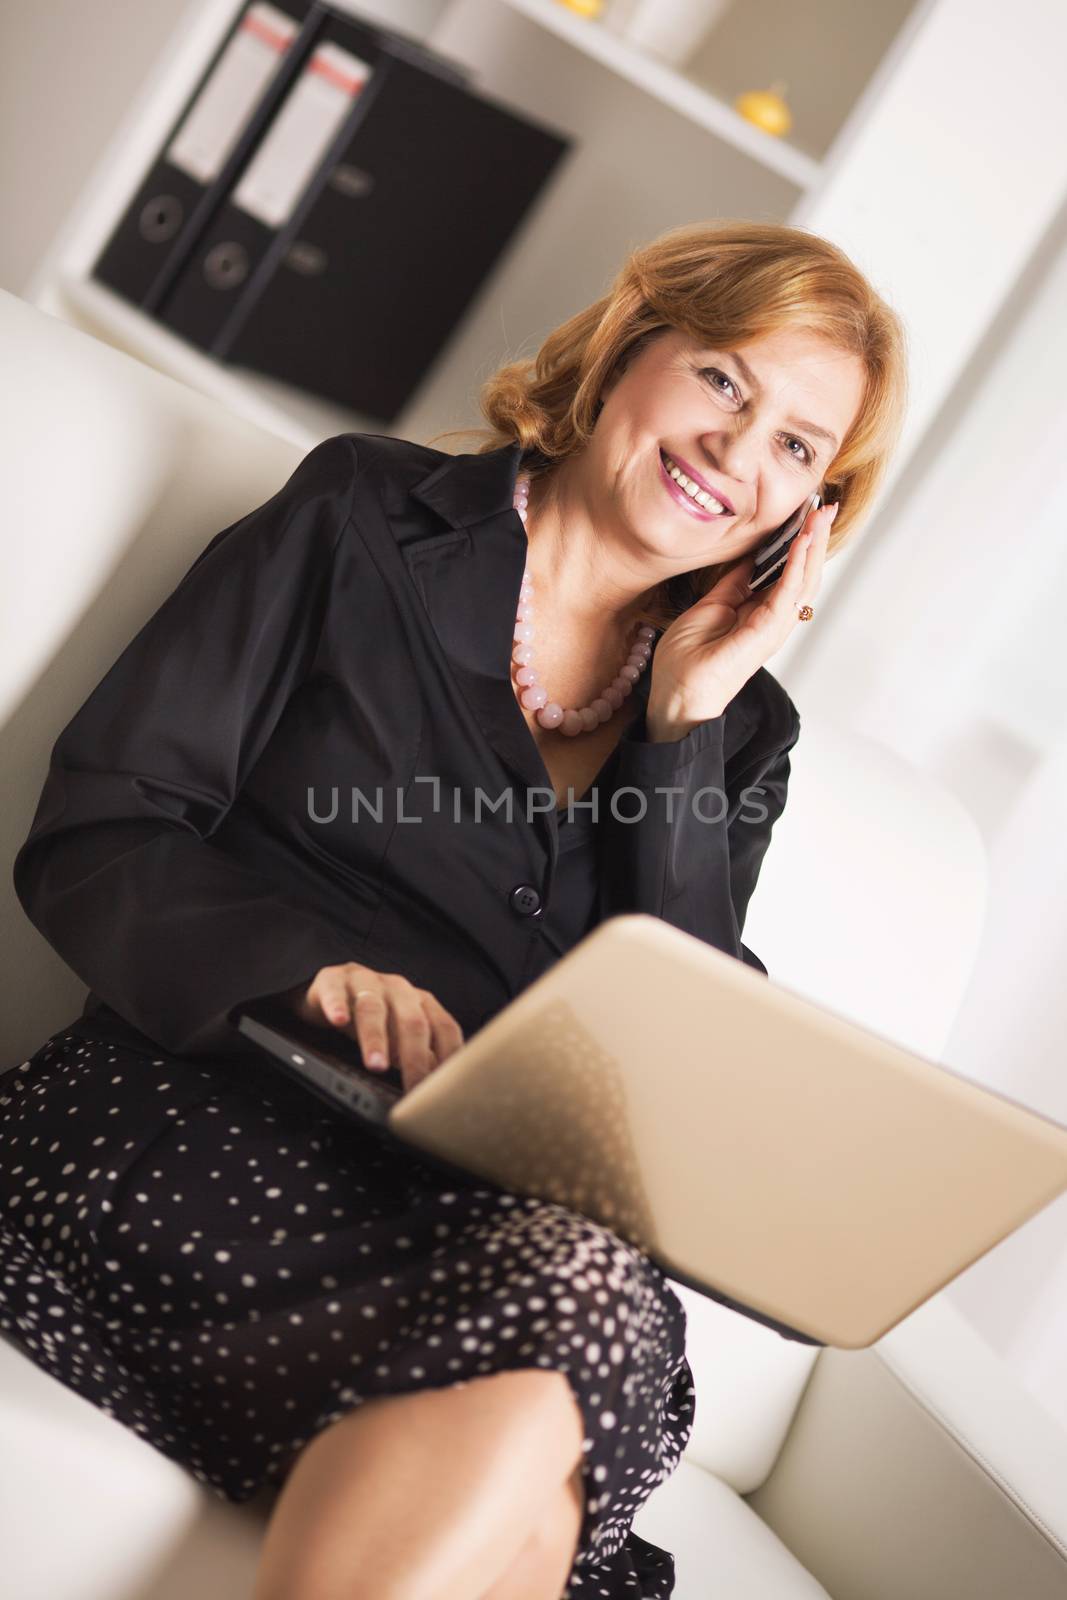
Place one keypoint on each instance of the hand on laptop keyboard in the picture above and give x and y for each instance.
(387, 1015)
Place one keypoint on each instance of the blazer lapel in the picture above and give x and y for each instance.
(469, 581)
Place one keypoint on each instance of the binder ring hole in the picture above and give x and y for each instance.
(161, 217)
(226, 265)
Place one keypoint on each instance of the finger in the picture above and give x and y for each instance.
(413, 1035)
(772, 612)
(798, 567)
(773, 609)
(815, 553)
(370, 1008)
(331, 997)
(445, 1032)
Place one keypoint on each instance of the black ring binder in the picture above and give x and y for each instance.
(339, 238)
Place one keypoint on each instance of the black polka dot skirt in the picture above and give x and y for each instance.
(211, 1255)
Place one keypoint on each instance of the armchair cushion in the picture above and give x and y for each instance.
(922, 1467)
(722, 1550)
(748, 1382)
(88, 1511)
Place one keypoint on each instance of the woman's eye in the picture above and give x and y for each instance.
(713, 372)
(807, 457)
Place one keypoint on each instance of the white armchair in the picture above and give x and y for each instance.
(918, 1468)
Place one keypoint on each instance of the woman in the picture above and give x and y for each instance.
(459, 1391)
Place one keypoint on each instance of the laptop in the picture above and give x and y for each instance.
(759, 1148)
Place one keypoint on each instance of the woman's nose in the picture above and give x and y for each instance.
(732, 460)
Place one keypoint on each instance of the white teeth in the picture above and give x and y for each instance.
(701, 496)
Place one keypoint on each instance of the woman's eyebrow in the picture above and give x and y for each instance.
(794, 422)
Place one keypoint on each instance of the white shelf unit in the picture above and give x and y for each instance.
(674, 89)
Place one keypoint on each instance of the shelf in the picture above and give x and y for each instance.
(672, 89)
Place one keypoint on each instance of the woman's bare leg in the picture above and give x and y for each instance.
(542, 1566)
(430, 1495)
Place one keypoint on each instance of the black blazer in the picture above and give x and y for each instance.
(355, 632)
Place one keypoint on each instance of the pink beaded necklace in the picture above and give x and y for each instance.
(550, 714)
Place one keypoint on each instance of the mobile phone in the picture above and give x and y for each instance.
(773, 553)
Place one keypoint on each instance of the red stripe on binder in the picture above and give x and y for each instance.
(268, 35)
(339, 79)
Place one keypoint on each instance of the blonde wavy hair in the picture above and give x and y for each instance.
(724, 283)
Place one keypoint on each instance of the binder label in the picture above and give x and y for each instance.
(221, 110)
(303, 128)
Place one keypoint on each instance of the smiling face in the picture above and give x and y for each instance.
(753, 438)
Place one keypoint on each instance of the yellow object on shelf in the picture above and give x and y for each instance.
(766, 109)
(584, 8)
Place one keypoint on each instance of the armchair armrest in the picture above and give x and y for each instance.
(922, 1467)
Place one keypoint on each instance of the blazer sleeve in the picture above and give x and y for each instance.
(118, 871)
(692, 855)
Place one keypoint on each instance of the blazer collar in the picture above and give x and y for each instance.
(466, 489)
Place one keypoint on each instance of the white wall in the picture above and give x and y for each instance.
(67, 73)
(1010, 1036)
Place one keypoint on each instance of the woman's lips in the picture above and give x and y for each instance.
(692, 506)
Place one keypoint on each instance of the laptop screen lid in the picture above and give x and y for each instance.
(757, 1146)
(760, 1148)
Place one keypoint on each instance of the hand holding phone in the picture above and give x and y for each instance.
(709, 652)
(773, 553)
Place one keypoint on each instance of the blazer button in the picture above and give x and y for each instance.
(525, 900)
